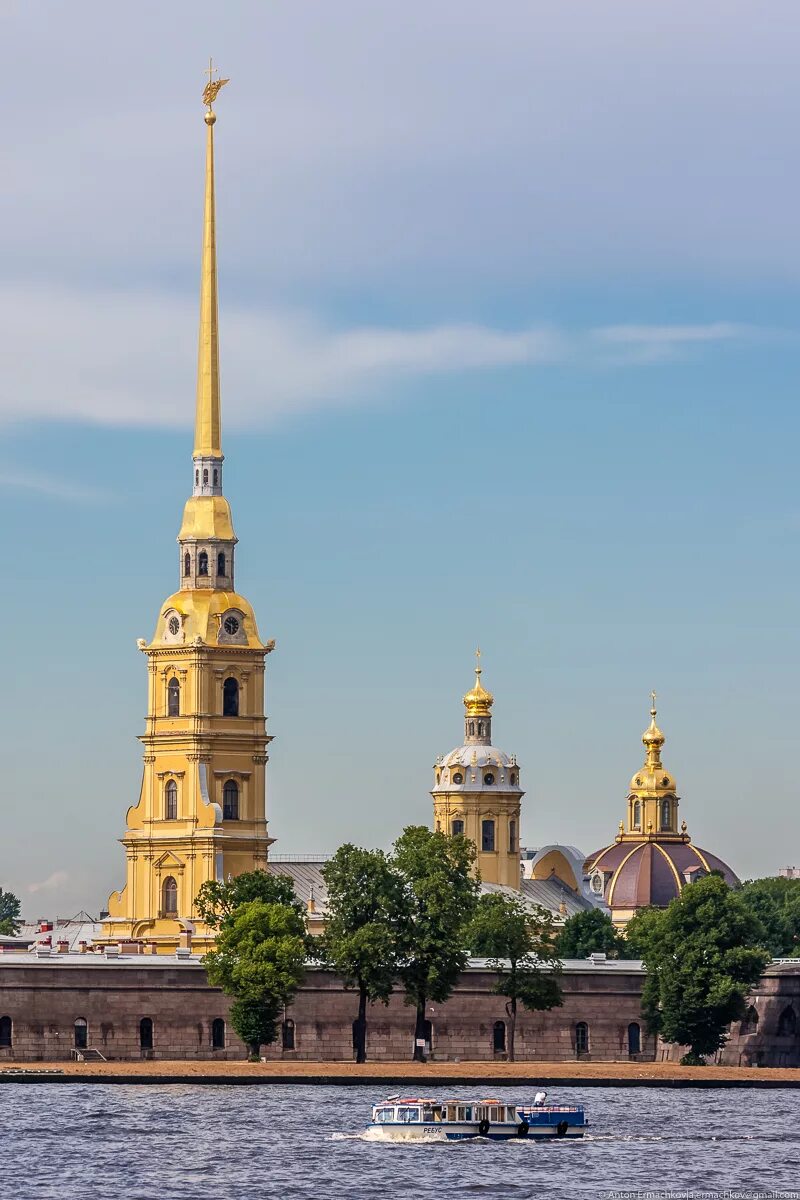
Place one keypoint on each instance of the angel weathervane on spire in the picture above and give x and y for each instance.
(214, 86)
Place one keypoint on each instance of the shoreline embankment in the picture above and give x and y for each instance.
(481, 1075)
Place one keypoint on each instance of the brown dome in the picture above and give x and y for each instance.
(652, 872)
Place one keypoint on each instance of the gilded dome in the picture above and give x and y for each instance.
(478, 702)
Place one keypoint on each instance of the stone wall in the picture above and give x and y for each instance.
(44, 999)
(770, 1034)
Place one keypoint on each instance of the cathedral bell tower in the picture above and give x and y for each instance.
(201, 813)
(477, 792)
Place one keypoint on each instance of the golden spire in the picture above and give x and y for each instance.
(208, 432)
(478, 702)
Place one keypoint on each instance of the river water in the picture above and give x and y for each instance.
(98, 1141)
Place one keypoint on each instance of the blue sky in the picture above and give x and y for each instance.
(509, 302)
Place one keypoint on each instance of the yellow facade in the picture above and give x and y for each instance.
(201, 811)
(477, 793)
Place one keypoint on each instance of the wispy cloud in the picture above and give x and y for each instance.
(51, 485)
(128, 359)
(50, 884)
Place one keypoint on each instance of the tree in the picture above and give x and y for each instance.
(776, 903)
(217, 901)
(519, 943)
(9, 914)
(439, 893)
(259, 959)
(360, 931)
(703, 953)
(590, 932)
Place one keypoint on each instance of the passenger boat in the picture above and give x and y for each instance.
(407, 1119)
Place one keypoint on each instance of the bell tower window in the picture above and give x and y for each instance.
(205, 476)
(187, 563)
(220, 564)
(230, 698)
(512, 837)
(637, 815)
(487, 836)
(666, 814)
(171, 801)
(202, 563)
(216, 477)
(173, 698)
(230, 800)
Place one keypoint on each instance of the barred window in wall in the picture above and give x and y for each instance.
(499, 1037)
(487, 836)
(218, 1034)
(171, 800)
(173, 698)
(169, 897)
(581, 1037)
(81, 1034)
(287, 1034)
(146, 1033)
(5, 1031)
(634, 1038)
(230, 800)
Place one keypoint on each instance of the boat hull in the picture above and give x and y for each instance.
(446, 1132)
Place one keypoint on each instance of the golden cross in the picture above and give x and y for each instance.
(652, 700)
(214, 86)
(478, 660)
(210, 70)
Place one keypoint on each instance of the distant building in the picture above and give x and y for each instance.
(651, 859)
(789, 873)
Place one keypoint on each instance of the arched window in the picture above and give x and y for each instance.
(787, 1022)
(750, 1022)
(220, 564)
(173, 698)
(81, 1034)
(487, 835)
(5, 1031)
(634, 1038)
(513, 779)
(471, 728)
(197, 477)
(169, 897)
(666, 814)
(187, 563)
(637, 814)
(202, 563)
(171, 800)
(230, 800)
(512, 836)
(499, 1037)
(146, 1033)
(205, 476)
(230, 698)
(457, 828)
(480, 728)
(218, 1034)
(216, 476)
(287, 1034)
(581, 1038)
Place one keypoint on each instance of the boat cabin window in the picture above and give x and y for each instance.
(408, 1115)
(427, 1114)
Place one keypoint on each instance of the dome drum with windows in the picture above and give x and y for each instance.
(652, 858)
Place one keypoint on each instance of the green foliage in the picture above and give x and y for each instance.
(590, 932)
(364, 900)
(438, 899)
(9, 914)
(703, 953)
(519, 943)
(216, 901)
(259, 959)
(776, 903)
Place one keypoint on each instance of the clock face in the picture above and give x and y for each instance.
(231, 625)
(488, 779)
(174, 626)
(458, 777)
